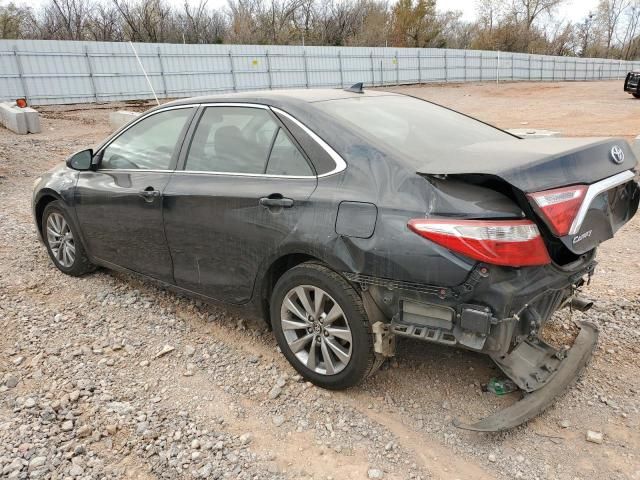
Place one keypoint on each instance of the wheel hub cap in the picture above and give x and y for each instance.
(60, 240)
(316, 329)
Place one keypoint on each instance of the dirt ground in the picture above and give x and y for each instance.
(84, 393)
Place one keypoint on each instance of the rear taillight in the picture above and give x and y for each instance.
(513, 243)
(560, 206)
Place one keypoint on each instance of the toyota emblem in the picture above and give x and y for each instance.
(617, 155)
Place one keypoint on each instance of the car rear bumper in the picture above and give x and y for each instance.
(493, 310)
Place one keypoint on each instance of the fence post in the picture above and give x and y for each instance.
(397, 70)
(23, 81)
(268, 62)
(232, 72)
(164, 81)
(306, 67)
(90, 70)
(340, 66)
(464, 57)
(446, 67)
(373, 78)
(419, 67)
(512, 62)
(541, 67)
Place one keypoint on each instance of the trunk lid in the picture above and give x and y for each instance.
(530, 166)
(537, 164)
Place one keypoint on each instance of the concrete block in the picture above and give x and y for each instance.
(120, 118)
(13, 118)
(533, 133)
(33, 120)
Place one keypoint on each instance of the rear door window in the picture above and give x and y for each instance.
(232, 140)
(286, 159)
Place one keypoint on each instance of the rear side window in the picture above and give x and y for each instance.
(286, 159)
(233, 140)
(149, 144)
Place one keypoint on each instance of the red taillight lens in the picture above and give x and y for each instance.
(510, 243)
(560, 206)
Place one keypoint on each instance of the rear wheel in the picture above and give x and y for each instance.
(61, 241)
(321, 327)
(637, 95)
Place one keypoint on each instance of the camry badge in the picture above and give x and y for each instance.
(617, 155)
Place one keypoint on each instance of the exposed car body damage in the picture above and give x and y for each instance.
(229, 236)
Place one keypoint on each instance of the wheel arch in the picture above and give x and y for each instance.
(274, 271)
(45, 197)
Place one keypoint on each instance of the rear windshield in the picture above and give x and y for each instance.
(419, 131)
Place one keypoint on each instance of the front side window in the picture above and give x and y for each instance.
(149, 144)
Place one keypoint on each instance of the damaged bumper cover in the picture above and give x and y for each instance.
(532, 404)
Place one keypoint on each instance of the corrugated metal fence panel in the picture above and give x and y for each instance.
(49, 72)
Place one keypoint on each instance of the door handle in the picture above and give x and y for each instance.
(276, 201)
(149, 194)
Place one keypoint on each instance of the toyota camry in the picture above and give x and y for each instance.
(348, 218)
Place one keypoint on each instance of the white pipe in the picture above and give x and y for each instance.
(145, 73)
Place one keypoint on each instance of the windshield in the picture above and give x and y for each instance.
(420, 131)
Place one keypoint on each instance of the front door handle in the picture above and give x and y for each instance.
(149, 194)
(276, 201)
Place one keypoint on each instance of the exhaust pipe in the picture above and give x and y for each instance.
(581, 304)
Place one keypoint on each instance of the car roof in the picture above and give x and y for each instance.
(282, 98)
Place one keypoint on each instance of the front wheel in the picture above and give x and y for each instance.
(321, 327)
(62, 242)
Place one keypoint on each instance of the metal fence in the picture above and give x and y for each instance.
(53, 72)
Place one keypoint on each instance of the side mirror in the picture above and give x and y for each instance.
(81, 160)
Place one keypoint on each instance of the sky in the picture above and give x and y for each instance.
(574, 10)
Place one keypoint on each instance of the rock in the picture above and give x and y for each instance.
(246, 438)
(189, 350)
(36, 462)
(275, 392)
(76, 470)
(564, 423)
(84, 431)
(278, 420)
(205, 472)
(18, 360)
(374, 473)
(111, 429)
(166, 349)
(492, 458)
(595, 437)
(11, 381)
(195, 444)
(67, 426)
(30, 402)
(144, 363)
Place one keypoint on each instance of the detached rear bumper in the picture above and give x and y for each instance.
(536, 402)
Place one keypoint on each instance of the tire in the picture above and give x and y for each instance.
(61, 239)
(637, 95)
(329, 332)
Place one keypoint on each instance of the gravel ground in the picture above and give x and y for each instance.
(106, 376)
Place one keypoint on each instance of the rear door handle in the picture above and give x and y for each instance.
(273, 201)
(149, 194)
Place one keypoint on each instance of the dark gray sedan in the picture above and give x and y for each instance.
(348, 218)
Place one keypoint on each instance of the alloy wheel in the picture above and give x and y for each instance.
(60, 240)
(316, 329)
